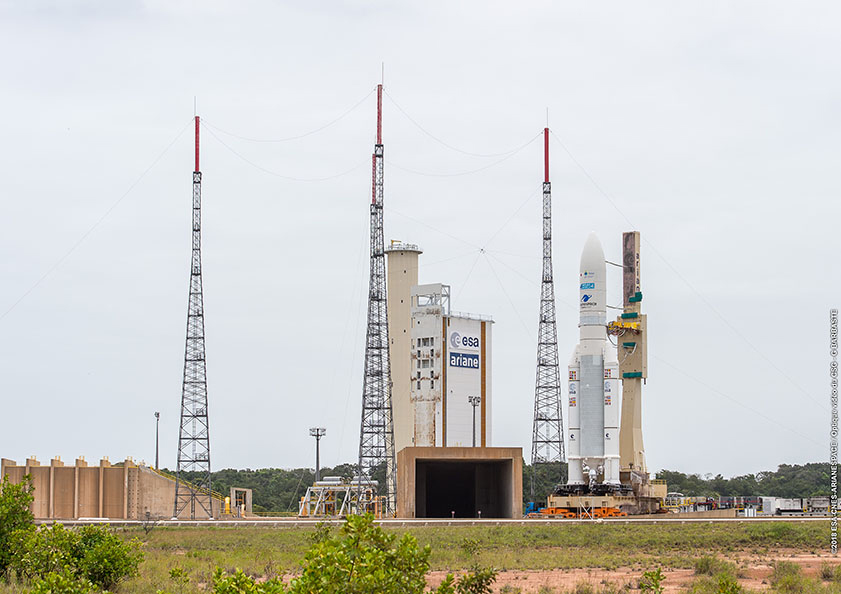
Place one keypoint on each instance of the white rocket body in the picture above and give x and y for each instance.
(593, 380)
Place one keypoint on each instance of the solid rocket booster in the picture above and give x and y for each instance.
(593, 380)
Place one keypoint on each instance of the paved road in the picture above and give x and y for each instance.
(408, 523)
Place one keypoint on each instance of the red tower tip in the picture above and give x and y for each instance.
(197, 144)
(546, 154)
(379, 114)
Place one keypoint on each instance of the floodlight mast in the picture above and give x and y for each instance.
(317, 433)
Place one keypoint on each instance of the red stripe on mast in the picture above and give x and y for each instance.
(379, 114)
(373, 179)
(546, 154)
(197, 144)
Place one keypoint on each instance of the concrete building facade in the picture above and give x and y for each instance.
(441, 401)
(460, 482)
(401, 275)
(440, 360)
(124, 491)
(451, 364)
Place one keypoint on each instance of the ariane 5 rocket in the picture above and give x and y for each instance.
(593, 383)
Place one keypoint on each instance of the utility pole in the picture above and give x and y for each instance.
(157, 441)
(317, 433)
(474, 400)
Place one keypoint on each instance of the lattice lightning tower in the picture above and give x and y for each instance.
(547, 444)
(376, 436)
(194, 437)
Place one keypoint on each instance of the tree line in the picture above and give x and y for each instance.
(280, 490)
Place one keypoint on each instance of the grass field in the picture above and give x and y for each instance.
(568, 547)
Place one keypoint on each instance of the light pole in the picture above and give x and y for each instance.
(317, 433)
(474, 400)
(157, 433)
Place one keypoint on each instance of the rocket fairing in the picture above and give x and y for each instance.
(593, 380)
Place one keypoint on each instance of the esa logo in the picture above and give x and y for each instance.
(457, 341)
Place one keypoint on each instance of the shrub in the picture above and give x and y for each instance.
(787, 577)
(45, 551)
(476, 581)
(14, 516)
(63, 582)
(106, 559)
(92, 553)
(708, 565)
(652, 581)
(723, 583)
(239, 583)
(363, 559)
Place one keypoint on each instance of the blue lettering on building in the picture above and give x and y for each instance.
(586, 286)
(464, 360)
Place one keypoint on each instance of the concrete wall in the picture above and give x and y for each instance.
(126, 491)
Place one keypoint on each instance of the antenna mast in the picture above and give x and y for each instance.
(376, 435)
(194, 437)
(547, 445)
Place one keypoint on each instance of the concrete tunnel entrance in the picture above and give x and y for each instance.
(459, 482)
(463, 489)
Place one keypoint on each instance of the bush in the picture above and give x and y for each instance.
(62, 582)
(105, 558)
(14, 516)
(92, 553)
(360, 559)
(363, 559)
(787, 577)
(652, 581)
(713, 566)
(723, 583)
(239, 583)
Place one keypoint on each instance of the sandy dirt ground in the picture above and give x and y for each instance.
(754, 574)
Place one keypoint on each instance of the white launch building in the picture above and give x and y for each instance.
(594, 397)
(440, 361)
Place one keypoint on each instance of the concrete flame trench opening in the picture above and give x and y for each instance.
(439, 482)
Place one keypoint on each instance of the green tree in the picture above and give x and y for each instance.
(544, 478)
(15, 515)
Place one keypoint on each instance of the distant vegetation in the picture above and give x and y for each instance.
(279, 490)
(789, 480)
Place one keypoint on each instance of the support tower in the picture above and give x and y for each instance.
(194, 437)
(547, 445)
(376, 435)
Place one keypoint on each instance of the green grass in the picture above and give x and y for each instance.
(272, 551)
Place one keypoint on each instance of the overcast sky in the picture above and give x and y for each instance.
(710, 127)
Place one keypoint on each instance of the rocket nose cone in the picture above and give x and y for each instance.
(592, 257)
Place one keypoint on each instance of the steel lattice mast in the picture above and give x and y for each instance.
(194, 436)
(547, 445)
(376, 436)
